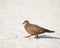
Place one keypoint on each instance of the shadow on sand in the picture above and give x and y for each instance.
(47, 37)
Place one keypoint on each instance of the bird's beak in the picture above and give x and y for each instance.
(22, 23)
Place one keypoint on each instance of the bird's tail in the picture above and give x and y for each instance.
(49, 31)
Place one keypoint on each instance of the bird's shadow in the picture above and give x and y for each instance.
(47, 37)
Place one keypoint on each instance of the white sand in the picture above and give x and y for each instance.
(45, 13)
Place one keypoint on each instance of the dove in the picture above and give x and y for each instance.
(33, 29)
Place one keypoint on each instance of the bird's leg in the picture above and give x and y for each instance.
(37, 36)
(28, 36)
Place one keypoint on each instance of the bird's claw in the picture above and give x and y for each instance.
(26, 36)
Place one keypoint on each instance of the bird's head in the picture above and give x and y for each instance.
(26, 22)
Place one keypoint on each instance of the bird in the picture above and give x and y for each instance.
(34, 29)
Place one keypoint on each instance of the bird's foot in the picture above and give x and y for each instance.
(28, 36)
(36, 37)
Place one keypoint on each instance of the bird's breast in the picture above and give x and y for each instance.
(28, 29)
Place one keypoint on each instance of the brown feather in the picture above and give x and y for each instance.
(35, 29)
